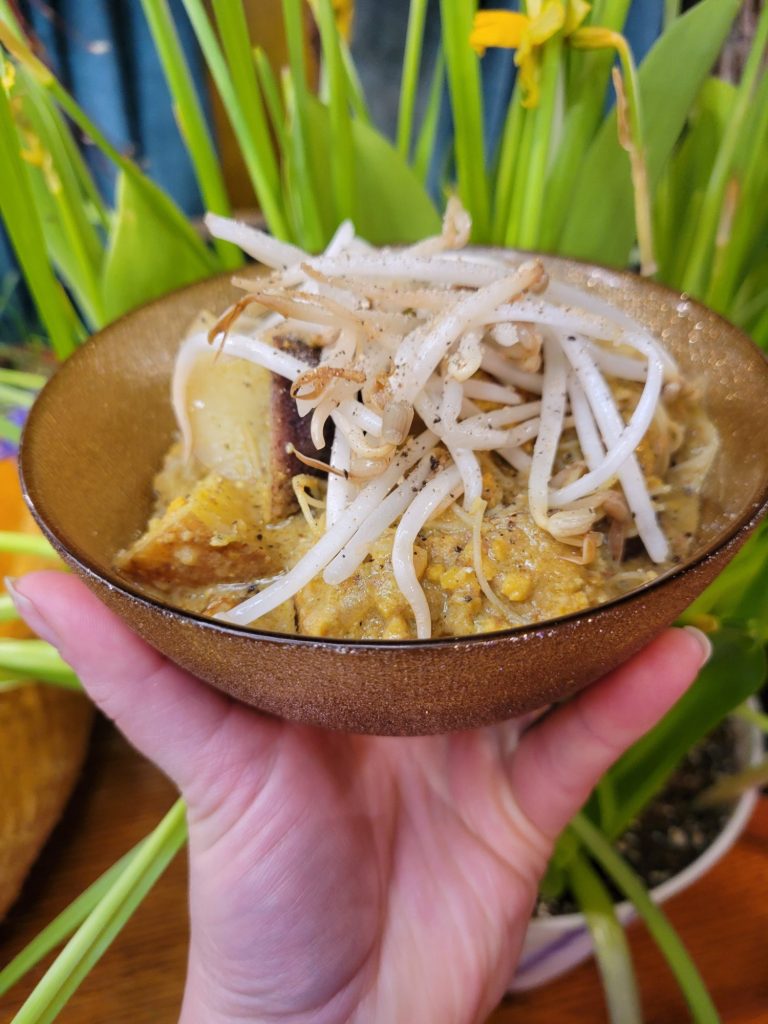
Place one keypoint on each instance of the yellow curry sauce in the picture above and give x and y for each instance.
(210, 544)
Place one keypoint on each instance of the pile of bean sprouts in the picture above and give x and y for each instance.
(419, 336)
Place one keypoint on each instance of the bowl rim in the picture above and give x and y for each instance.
(71, 552)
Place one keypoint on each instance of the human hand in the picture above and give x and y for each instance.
(354, 878)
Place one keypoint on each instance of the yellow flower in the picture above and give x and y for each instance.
(526, 33)
(343, 14)
(344, 11)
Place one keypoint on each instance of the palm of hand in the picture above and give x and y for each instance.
(342, 878)
(339, 875)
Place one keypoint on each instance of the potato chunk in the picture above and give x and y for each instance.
(242, 417)
(212, 534)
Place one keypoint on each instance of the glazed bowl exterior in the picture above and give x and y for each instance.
(99, 430)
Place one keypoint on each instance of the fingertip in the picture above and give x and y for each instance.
(163, 710)
(702, 641)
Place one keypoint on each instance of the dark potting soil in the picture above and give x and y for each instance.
(671, 833)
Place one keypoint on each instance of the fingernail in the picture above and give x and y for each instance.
(29, 611)
(702, 640)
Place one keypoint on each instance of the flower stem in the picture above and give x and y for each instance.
(630, 128)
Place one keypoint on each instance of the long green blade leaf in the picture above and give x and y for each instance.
(22, 221)
(403, 211)
(26, 544)
(153, 196)
(463, 73)
(8, 611)
(600, 225)
(36, 660)
(697, 271)
(343, 163)
(414, 41)
(425, 144)
(191, 120)
(306, 191)
(63, 925)
(688, 978)
(610, 943)
(106, 921)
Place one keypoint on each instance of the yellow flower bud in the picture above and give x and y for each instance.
(8, 77)
(497, 29)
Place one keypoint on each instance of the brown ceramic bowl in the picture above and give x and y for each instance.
(99, 430)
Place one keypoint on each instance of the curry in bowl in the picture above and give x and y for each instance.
(430, 442)
(103, 428)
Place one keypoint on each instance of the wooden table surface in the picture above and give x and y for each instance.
(723, 919)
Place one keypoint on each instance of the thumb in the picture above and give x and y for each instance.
(170, 716)
(560, 760)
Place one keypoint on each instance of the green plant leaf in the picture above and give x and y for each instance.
(612, 953)
(191, 119)
(71, 238)
(64, 924)
(106, 920)
(463, 77)
(691, 984)
(403, 211)
(36, 659)
(734, 144)
(600, 225)
(147, 257)
(740, 245)
(736, 670)
(26, 544)
(25, 230)
(686, 175)
(8, 611)
(723, 597)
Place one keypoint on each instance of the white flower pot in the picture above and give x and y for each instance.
(553, 945)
